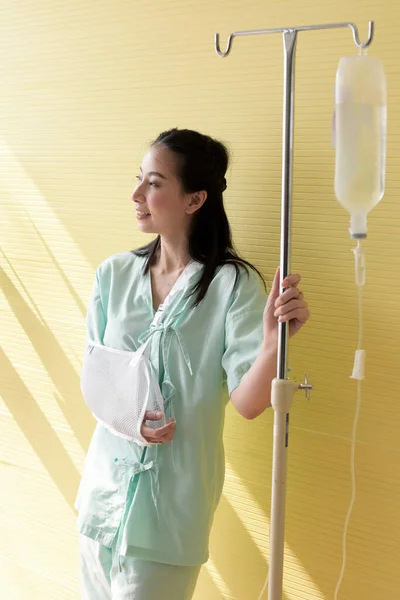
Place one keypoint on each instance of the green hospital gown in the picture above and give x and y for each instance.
(158, 503)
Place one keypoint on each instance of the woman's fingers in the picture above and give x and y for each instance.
(301, 314)
(153, 415)
(161, 434)
(291, 280)
(290, 306)
(289, 294)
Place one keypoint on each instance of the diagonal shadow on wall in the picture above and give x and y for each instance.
(55, 362)
(247, 578)
(81, 306)
(37, 430)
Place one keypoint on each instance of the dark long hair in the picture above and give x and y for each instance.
(203, 164)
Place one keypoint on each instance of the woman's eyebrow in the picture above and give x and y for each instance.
(155, 173)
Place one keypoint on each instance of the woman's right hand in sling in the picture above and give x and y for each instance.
(160, 435)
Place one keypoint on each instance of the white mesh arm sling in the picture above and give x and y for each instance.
(119, 386)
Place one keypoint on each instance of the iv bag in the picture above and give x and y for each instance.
(360, 137)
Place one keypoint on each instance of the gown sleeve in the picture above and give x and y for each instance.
(96, 319)
(243, 328)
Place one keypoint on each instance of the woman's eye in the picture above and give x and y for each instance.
(152, 183)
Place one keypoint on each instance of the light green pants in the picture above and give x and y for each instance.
(107, 576)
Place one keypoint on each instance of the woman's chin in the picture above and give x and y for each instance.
(145, 226)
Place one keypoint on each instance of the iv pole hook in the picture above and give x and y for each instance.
(357, 39)
(353, 27)
(228, 47)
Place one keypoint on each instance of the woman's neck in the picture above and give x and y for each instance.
(173, 255)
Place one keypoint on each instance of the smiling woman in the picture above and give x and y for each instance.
(181, 185)
(153, 182)
(146, 509)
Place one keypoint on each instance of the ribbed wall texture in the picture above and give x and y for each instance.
(84, 87)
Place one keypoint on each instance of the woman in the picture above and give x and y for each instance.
(145, 513)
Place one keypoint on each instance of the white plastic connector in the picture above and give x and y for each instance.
(359, 365)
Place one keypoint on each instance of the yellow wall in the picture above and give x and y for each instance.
(84, 87)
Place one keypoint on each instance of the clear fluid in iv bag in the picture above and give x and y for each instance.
(360, 137)
(360, 155)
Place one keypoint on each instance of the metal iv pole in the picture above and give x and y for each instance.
(283, 389)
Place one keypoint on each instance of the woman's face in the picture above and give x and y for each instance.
(161, 205)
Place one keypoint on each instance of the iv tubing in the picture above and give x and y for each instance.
(358, 268)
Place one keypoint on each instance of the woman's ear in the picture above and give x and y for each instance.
(195, 201)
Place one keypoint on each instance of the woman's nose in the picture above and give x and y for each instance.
(137, 195)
